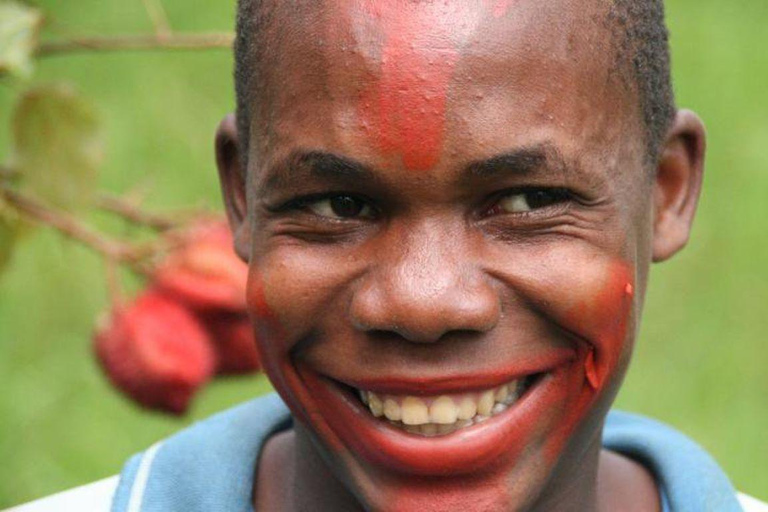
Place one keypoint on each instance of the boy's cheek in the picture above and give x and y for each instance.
(587, 293)
(592, 300)
(291, 293)
(590, 296)
(600, 311)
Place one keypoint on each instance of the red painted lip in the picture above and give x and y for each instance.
(454, 384)
(467, 450)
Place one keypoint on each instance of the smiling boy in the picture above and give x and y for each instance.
(449, 210)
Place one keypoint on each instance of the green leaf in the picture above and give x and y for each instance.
(19, 25)
(57, 147)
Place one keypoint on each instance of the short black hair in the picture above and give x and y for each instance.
(640, 33)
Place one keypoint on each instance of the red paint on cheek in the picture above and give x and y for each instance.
(600, 315)
(590, 371)
(265, 322)
(274, 348)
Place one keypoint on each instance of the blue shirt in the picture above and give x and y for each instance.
(211, 465)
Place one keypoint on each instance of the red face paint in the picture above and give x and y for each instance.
(601, 315)
(405, 106)
(500, 8)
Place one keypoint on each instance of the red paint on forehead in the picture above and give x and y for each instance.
(500, 8)
(412, 101)
(405, 107)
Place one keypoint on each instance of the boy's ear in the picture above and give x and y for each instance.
(678, 184)
(233, 180)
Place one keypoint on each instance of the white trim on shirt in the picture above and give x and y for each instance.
(94, 497)
(97, 496)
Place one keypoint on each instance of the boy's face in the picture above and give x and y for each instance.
(447, 204)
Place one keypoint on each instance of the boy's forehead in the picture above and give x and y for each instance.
(419, 83)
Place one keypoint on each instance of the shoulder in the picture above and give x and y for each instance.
(689, 478)
(94, 497)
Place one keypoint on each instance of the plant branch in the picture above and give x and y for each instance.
(175, 41)
(156, 13)
(131, 212)
(7, 173)
(75, 229)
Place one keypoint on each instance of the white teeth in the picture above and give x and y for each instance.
(444, 414)
(513, 388)
(443, 411)
(485, 404)
(467, 408)
(375, 405)
(391, 409)
(414, 411)
(498, 408)
(502, 393)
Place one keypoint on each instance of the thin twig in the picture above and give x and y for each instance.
(174, 41)
(131, 212)
(8, 173)
(75, 229)
(114, 287)
(157, 15)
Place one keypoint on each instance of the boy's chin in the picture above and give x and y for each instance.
(487, 492)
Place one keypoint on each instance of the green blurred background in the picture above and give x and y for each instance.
(700, 364)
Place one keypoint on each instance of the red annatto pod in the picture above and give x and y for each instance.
(233, 341)
(155, 351)
(203, 271)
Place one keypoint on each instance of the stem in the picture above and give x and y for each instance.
(114, 289)
(156, 13)
(132, 213)
(75, 229)
(136, 42)
(7, 173)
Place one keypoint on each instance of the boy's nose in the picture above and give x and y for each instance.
(423, 288)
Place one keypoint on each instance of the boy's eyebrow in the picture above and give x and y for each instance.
(521, 161)
(302, 165)
(316, 165)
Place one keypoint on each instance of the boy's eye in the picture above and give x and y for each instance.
(340, 207)
(533, 199)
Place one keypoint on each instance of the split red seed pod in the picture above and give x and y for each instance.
(203, 271)
(234, 341)
(155, 351)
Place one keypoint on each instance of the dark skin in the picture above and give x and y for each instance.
(516, 233)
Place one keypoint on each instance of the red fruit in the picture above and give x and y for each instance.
(156, 352)
(233, 341)
(203, 271)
